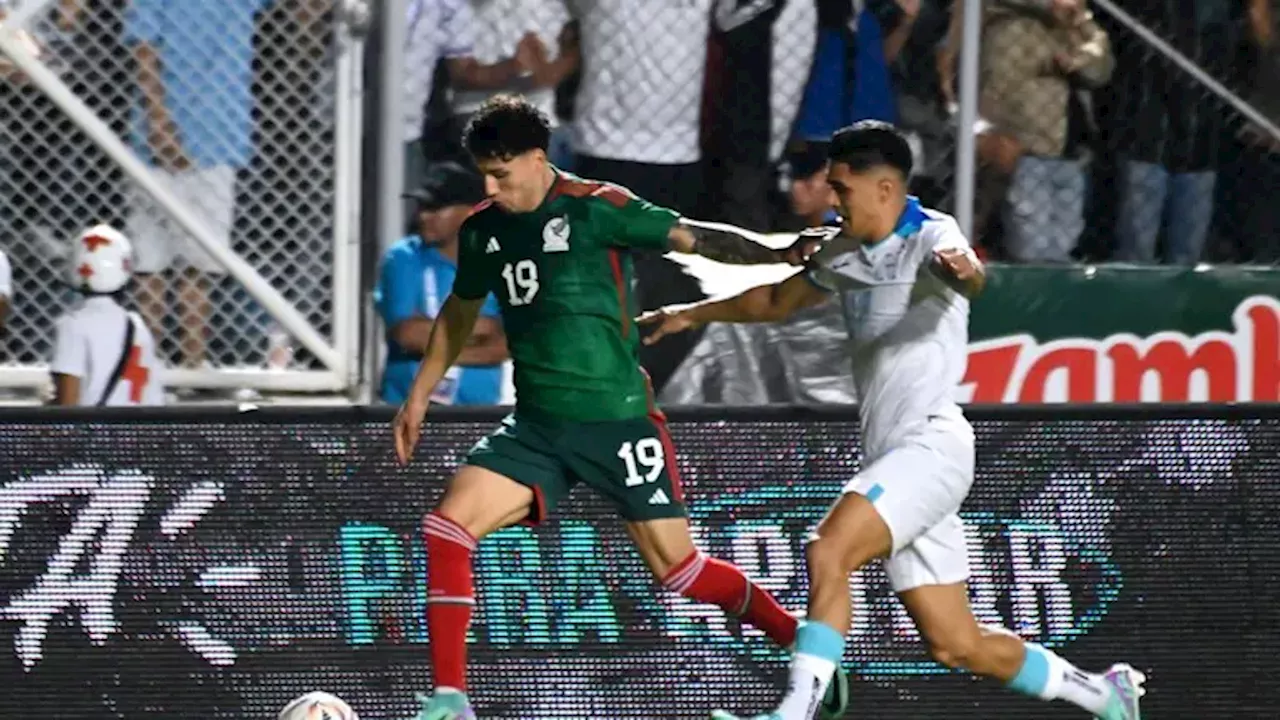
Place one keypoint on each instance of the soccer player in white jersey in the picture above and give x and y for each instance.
(904, 275)
(104, 355)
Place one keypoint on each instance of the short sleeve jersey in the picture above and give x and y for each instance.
(562, 275)
(90, 344)
(908, 330)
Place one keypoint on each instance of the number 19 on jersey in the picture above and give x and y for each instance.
(522, 282)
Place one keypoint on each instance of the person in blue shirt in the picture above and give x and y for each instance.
(193, 125)
(417, 275)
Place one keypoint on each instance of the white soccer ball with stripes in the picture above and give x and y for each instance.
(318, 706)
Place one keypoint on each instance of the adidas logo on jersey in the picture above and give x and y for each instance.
(659, 498)
(492, 247)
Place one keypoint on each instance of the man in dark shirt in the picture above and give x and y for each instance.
(1167, 128)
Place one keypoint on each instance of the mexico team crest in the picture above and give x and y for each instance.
(555, 235)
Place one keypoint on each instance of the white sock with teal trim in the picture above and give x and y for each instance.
(819, 649)
(1049, 677)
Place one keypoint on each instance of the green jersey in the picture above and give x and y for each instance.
(562, 275)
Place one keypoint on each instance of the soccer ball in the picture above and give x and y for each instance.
(318, 706)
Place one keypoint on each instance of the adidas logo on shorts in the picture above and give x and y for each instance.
(659, 498)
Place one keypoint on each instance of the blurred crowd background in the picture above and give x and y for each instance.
(1093, 143)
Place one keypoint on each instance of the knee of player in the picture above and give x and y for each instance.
(833, 555)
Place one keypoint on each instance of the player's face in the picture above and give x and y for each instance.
(516, 184)
(867, 200)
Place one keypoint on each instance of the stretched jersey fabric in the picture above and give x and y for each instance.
(563, 275)
(908, 330)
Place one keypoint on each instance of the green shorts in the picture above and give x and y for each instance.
(631, 463)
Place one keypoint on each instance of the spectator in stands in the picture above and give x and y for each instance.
(637, 123)
(1260, 224)
(914, 74)
(53, 176)
(812, 202)
(91, 49)
(757, 69)
(637, 111)
(850, 79)
(105, 355)
(1167, 129)
(1032, 63)
(194, 64)
(440, 54)
(539, 33)
(417, 275)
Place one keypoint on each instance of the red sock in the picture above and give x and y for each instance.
(709, 580)
(450, 598)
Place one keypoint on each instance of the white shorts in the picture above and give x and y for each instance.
(160, 242)
(917, 488)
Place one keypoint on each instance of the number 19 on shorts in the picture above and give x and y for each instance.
(644, 460)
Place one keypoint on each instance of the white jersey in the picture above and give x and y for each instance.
(89, 346)
(908, 330)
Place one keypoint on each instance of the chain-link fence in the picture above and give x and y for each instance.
(1114, 134)
(231, 106)
(1093, 143)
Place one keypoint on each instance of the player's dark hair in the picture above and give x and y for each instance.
(869, 144)
(506, 126)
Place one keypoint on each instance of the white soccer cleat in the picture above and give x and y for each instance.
(1127, 691)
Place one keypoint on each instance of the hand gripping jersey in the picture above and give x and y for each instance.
(563, 275)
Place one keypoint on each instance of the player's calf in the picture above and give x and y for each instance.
(477, 502)
(450, 598)
(957, 640)
(705, 579)
(668, 550)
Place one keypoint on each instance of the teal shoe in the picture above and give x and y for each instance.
(1126, 686)
(445, 705)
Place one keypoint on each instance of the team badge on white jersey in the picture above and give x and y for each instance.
(555, 235)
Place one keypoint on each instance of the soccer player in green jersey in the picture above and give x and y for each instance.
(554, 249)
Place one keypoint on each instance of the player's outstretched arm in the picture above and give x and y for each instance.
(727, 244)
(449, 335)
(766, 303)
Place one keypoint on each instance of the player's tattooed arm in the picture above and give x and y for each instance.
(722, 243)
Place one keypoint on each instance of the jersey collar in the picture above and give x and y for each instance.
(909, 223)
(556, 189)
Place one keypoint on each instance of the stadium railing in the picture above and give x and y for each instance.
(277, 104)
